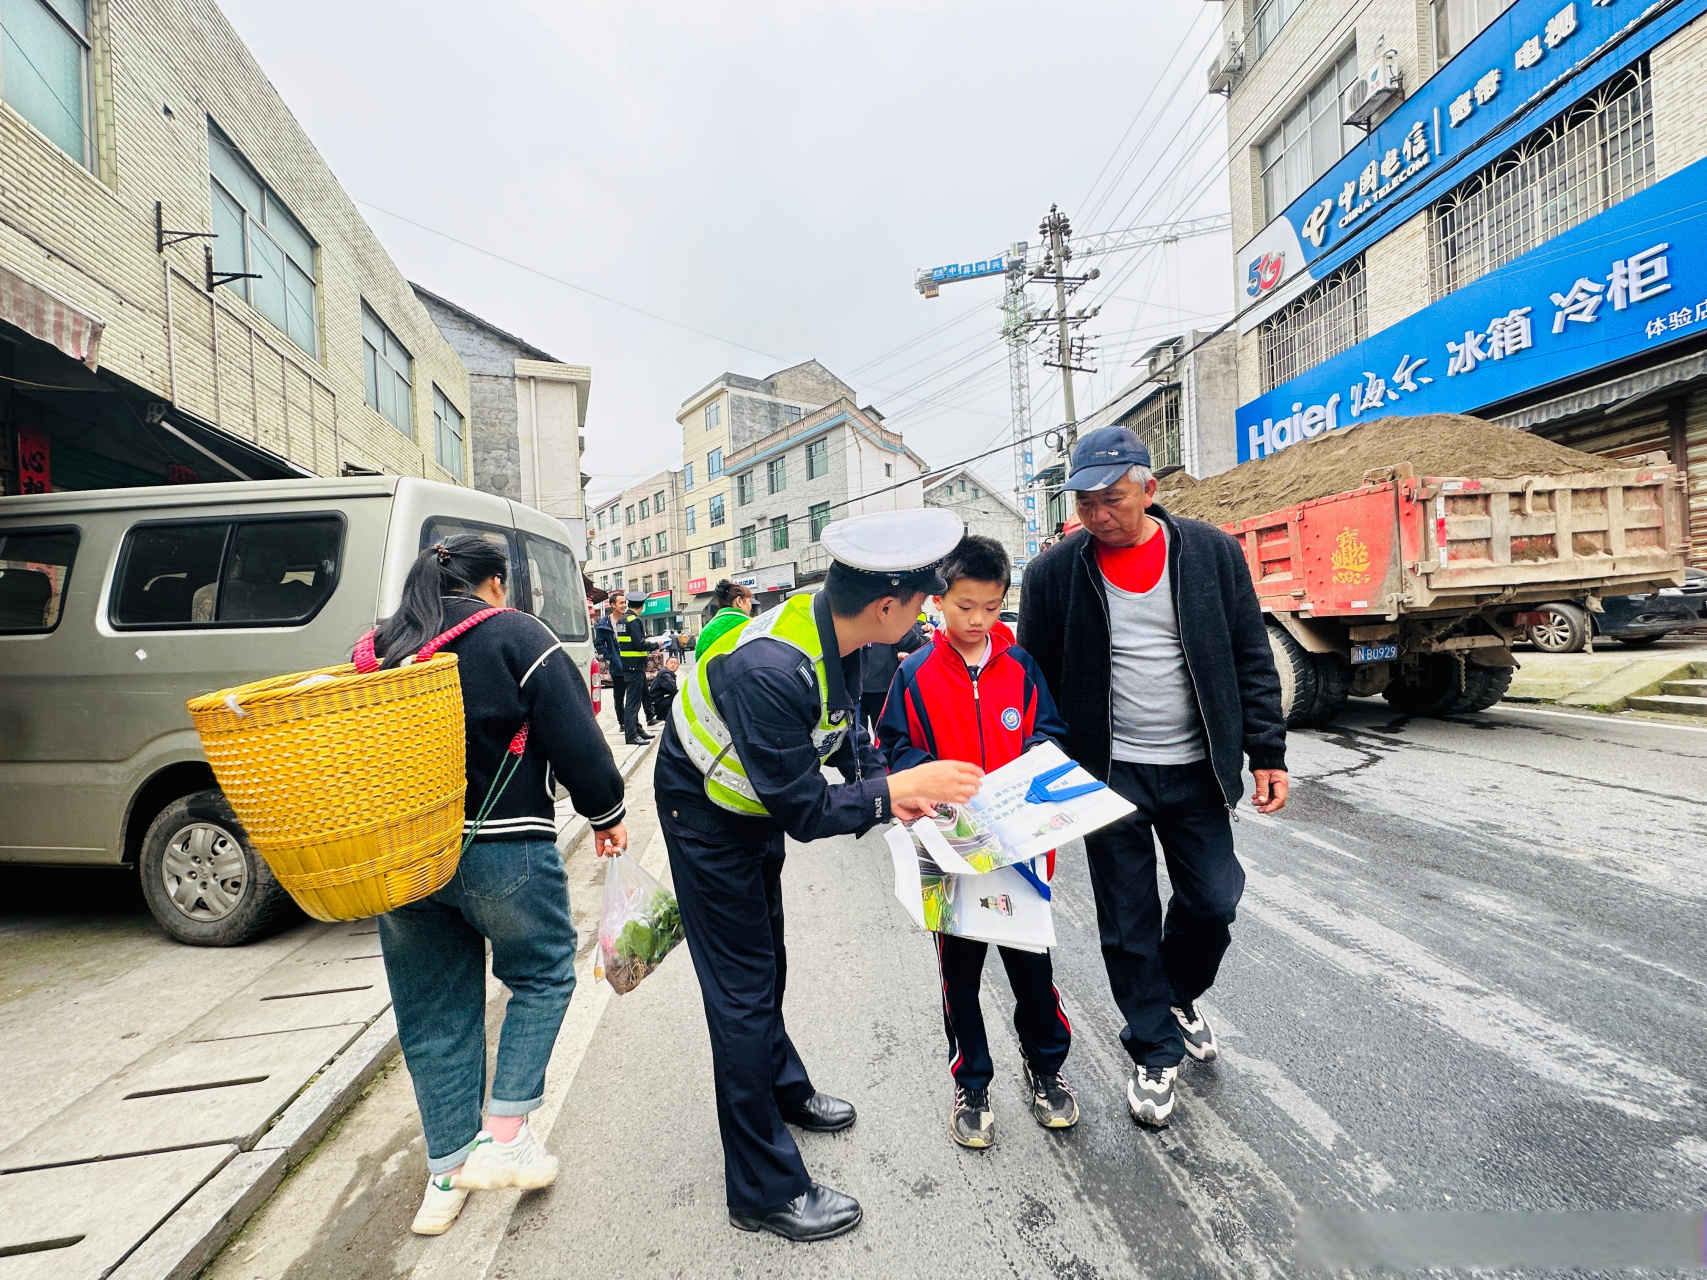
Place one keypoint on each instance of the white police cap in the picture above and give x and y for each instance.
(904, 547)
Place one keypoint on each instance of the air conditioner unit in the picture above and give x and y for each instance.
(1372, 92)
(1226, 67)
(747, 562)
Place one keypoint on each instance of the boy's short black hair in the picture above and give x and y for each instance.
(978, 558)
(849, 591)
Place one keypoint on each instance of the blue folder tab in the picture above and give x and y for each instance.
(1041, 792)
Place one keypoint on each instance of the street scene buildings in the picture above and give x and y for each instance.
(375, 904)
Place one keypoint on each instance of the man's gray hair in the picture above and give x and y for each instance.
(1141, 475)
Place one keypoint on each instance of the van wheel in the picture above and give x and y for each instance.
(1297, 676)
(203, 880)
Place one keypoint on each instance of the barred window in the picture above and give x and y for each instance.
(1156, 423)
(1321, 322)
(1598, 152)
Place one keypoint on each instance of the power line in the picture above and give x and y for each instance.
(570, 284)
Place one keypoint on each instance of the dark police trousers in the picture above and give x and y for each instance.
(1045, 1035)
(1153, 964)
(730, 892)
(633, 700)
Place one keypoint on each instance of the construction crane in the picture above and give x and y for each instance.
(1044, 264)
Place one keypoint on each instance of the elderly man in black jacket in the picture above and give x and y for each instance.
(1148, 632)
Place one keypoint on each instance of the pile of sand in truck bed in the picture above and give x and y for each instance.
(1435, 444)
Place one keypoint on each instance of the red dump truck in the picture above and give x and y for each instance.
(1415, 587)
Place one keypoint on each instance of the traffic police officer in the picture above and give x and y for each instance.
(767, 704)
(632, 651)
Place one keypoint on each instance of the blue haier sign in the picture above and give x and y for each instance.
(1632, 278)
(1444, 131)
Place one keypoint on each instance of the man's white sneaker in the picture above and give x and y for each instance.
(439, 1206)
(1195, 1030)
(1150, 1095)
(522, 1162)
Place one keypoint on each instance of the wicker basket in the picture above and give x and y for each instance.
(350, 785)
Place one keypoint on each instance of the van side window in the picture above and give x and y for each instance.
(227, 573)
(559, 596)
(443, 528)
(34, 568)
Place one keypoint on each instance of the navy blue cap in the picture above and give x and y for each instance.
(1103, 456)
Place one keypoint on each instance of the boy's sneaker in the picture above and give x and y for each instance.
(523, 1162)
(1199, 1039)
(1150, 1095)
(972, 1123)
(439, 1206)
(1052, 1102)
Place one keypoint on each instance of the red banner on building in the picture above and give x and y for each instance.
(35, 462)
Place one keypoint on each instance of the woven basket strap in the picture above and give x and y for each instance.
(438, 642)
(363, 657)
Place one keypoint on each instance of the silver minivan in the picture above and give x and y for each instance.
(116, 605)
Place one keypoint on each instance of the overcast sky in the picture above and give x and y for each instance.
(770, 173)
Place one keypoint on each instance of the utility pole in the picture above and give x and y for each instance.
(1070, 352)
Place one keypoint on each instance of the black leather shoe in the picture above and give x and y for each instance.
(822, 1114)
(817, 1215)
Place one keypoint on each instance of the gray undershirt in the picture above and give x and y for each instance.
(1155, 711)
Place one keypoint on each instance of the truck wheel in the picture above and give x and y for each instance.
(1333, 689)
(203, 880)
(1426, 689)
(1297, 676)
(1565, 631)
(1483, 686)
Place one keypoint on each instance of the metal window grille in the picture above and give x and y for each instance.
(1320, 323)
(1597, 153)
(1157, 424)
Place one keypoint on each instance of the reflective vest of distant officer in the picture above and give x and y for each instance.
(631, 649)
(768, 703)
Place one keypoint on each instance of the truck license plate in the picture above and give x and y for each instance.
(1374, 653)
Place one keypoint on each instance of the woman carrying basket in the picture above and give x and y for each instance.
(519, 690)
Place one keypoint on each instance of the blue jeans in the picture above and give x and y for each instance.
(515, 894)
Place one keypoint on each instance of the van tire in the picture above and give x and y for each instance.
(1298, 685)
(200, 833)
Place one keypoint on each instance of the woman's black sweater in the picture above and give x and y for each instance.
(512, 669)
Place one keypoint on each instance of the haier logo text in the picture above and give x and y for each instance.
(1304, 424)
(1265, 273)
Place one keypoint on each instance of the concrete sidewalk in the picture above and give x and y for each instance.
(1608, 678)
(152, 1122)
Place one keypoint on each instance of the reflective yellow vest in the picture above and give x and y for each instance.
(701, 729)
(625, 647)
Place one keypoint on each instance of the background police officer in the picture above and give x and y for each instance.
(765, 707)
(632, 651)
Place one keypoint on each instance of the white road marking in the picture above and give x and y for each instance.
(1311, 1118)
(1320, 843)
(1604, 719)
(1551, 1050)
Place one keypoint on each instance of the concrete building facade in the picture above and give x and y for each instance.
(1397, 167)
(635, 544)
(786, 486)
(527, 415)
(288, 345)
(988, 513)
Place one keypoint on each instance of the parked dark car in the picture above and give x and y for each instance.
(1630, 620)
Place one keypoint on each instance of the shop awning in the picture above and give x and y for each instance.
(43, 314)
(1608, 396)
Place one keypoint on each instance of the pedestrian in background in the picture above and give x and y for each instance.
(881, 662)
(604, 644)
(629, 634)
(734, 606)
(509, 888)
(974, 696)
(1148, 631)
(662, 690)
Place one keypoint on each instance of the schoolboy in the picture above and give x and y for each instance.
(974, 695)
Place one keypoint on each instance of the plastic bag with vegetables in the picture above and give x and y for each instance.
(639, 925)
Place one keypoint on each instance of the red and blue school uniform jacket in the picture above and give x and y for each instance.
(939, 708)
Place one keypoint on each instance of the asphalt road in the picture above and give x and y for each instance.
(1468, 973)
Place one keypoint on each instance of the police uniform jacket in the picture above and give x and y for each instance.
(767, 693)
